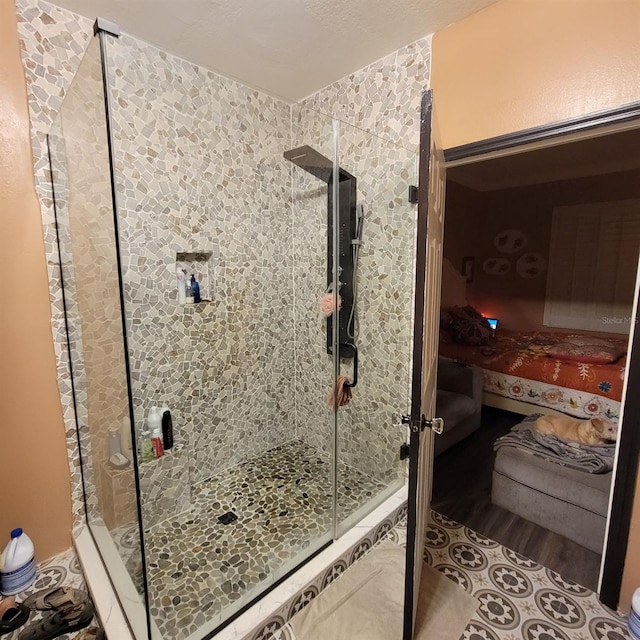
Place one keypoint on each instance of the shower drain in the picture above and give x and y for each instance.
(227, 518)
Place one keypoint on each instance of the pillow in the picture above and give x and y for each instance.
(585, 353)
(465, 325)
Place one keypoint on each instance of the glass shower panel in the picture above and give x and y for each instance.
(204, 188)
(377, 249)
(81, 178)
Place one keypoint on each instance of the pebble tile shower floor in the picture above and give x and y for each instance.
(283, 500)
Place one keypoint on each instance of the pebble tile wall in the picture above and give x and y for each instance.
(384, 97)
(199, 167)
(366, 437)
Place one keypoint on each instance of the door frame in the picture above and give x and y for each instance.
(621, 500)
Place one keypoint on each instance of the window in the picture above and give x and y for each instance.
(593, 260)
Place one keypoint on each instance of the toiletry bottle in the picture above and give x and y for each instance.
(146, 446)
(126, 447)
(195, 287)
(167, 428)
(154, 422)
(181, 277)
(156, 439)
(114, 441)
(188, 291)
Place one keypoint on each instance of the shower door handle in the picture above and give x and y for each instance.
(354, 382)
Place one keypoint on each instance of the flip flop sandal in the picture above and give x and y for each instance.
(55, 598)
(66, 620)
(12, 615)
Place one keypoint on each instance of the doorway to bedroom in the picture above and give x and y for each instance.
(539, 274)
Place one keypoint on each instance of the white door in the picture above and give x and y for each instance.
(423, 422)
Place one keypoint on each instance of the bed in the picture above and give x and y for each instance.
(521, 373)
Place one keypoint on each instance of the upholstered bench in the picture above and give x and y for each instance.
(566, 501)
(458, 402)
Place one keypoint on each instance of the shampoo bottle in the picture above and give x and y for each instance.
(195, 288)
(167, 428)
(154, 422)
(181, 277)
(188, 291)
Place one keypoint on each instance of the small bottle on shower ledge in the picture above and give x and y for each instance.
(181, 277)
(188, 291)
(195, 288)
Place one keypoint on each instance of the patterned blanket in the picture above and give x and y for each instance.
(591, 459)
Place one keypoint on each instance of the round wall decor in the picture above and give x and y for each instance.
(531, 265)
(510, 241)
(496, 266)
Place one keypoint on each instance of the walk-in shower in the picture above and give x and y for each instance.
(160, 166)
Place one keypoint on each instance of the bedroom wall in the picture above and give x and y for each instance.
(474, 218)
(523, 63)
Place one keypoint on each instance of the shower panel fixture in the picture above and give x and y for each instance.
(349, 231)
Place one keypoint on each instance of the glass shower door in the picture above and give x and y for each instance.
(82, 190)
(377, 286)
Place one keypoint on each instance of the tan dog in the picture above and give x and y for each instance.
(594, 432)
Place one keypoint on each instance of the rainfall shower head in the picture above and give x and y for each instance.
(312, 161)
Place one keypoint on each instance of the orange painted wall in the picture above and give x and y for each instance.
(523, 63)
(34, 473)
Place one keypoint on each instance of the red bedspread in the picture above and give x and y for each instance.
(524, 355)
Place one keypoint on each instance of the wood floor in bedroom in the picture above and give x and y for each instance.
(462, 492)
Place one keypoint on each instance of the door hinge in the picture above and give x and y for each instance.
(413, 194)
(404, 451)
(435, 424)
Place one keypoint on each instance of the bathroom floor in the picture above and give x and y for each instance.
(199, 566)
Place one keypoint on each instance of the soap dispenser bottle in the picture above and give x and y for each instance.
(181, 278)
(195, 288)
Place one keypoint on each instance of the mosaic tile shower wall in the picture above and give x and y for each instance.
(199, 168)
(384, 172)
(367, 438)
(384, 97)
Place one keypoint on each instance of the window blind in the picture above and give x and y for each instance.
(593, 259)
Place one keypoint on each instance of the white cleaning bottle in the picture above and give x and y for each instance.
(18, 564)
(181, 276)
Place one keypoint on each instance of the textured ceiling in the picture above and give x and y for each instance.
(290, 48)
